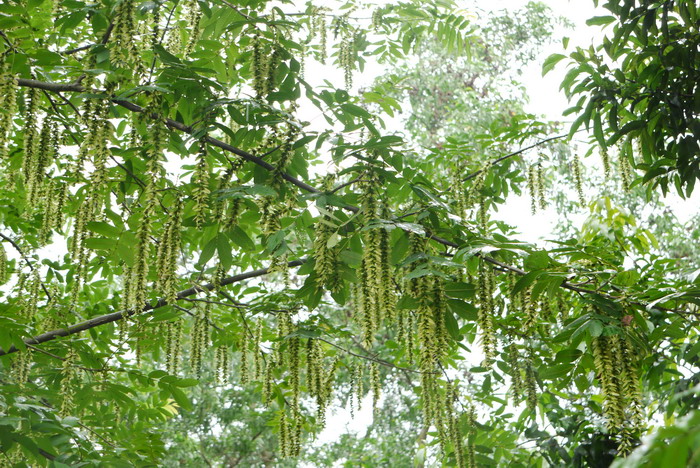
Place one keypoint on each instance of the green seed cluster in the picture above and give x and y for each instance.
(605, 158)
(4, 269)
(194, 17)
(69, 383)
(199, 341)
(168, 252)
(137, 291)
(200, 189)
(31, 135)
(458, 192)
(8, 105)
(616, 369)
(486, 286)
(625, 167)
(221, 363)
(530, 312)
(515, 372)
(471, 451)
(96, 144)
(319, 22)
(326, 254)
(530, 383)
(376, 20)
(377, 298)
(347, 56)
(124, 52)
(533, 186)
(21, 367)
(578, 179)
(173, 346)
(376, 385)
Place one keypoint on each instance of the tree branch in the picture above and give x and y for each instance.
(116, 316)
(515, 153)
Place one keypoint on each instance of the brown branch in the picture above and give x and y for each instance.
(117, 316)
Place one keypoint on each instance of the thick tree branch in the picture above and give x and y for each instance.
(116, 316)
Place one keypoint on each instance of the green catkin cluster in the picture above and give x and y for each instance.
(200, 181)
(515, 372)
(168, 252)
(530, 383)
(474, 193)
(314, 375)
(222, 364)
(31, 133)
(194, 17)
(243, 348)
(53, 202)
(4, 270)
(533, 186)
(258, 66)
(174, 41)
(530, 312)
(155, 26)
(616, 369)
(273, 62)
(95, 143)
(347, 56)
(35, 180)
(605, 158)
(173, 346)
(376, 20)
(137, 291)
(69, 383)
(124, 52)
(578, 179)
(326, 254)
(199, 341)
(471, 437)
(624, 165)
(541, 192)
(320, 26)
(30, 306)
(458, 192)
(8, 105)
(21, 367)
(376, 384)
(377, 296)
(483, 215)
(257, 355)
(453, 432)
(486, 312)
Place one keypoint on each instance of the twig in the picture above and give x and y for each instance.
(26, 260)
(515, 153)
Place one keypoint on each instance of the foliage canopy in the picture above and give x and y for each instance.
(167, 213)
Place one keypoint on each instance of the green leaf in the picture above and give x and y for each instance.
(550, 62)
(537, 261)
(600, 20)
(224, 250)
